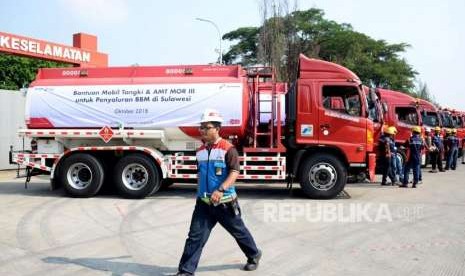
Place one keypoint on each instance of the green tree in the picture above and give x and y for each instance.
(17, 72)
(283, 37)
(422, 91)
(245, 51)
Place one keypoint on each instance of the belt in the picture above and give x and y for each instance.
(223, 200)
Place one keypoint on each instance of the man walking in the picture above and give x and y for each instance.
(218, 169)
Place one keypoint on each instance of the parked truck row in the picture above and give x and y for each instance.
(136, 128)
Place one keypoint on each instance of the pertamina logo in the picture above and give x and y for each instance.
(106, 133)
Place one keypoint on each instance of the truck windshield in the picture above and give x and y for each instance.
(447, 120)
(430, 119)
(457, 121)
(407, 115)
(460, 121)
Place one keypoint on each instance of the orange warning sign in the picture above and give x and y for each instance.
(106, 133)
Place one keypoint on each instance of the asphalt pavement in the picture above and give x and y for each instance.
(368, 230)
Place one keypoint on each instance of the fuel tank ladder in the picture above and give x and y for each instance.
(263, 93)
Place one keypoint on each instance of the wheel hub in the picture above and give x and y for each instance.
(323, 176)
(79, 176)
(135, 176)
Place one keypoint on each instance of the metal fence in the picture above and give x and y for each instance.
(12, 104)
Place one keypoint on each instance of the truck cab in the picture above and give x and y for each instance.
(402, 113)
(331, 134)
(458, 121)
(392, 108)
(429, 114)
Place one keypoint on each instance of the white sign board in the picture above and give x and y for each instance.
(138, 106)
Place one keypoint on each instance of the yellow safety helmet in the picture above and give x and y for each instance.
(448, 131)
(391, 130)
(438, 129)
(416, 129)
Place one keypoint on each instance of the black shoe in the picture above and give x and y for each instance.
(384, 184)
(403, 186)
(252, 263)
(183, 274)
(414, 186)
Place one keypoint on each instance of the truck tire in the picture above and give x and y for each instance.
(136, 176)
(322, 176)
(81, 175)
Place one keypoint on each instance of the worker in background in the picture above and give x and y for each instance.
(447, 147)
(428, 145)
(463, 151)
(453, 143)
(218, 169)
(436, 155)
(420, 174)
(396, 164)
(414, 145)
(384, 149)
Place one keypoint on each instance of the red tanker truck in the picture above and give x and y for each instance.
(138, 126)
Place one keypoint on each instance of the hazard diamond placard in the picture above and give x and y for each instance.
(106, 133)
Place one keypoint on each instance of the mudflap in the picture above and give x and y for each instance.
(371, 166)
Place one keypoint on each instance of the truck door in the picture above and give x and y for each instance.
(342, 123)
(306, 114)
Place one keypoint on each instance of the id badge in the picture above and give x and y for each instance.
(219, 168)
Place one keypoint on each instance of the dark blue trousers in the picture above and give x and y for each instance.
(452, 158)
(203, 220)
(415, 166)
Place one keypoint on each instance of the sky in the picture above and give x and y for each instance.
(155, 32)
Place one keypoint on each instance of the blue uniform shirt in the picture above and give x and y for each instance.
(213, 168)
(415, 144)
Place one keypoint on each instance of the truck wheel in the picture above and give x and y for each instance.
(323, 176)
(136, 176)
(81, 175)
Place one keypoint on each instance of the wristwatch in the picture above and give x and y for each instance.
(220, 189)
